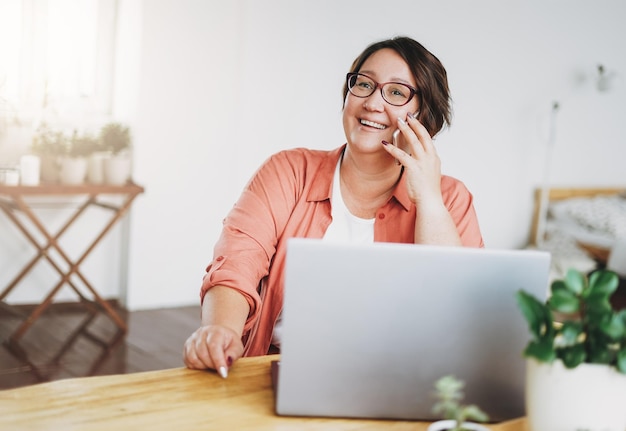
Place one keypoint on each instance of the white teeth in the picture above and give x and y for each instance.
(372, 124)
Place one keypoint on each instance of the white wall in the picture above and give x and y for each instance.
(222, 85)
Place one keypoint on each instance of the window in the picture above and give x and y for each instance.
(56, 62)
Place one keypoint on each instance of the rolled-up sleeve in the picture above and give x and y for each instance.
(247, 244)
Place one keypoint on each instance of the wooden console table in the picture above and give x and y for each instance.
(16, 203)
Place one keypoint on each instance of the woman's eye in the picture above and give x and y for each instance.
(397, 91)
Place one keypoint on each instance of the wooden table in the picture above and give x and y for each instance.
(16, 203)
(176, 399)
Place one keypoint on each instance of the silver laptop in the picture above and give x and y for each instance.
(368, 329)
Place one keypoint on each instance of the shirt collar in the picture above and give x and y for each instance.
(322, 186)
(401, 194)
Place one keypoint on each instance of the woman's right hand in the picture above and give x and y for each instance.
(213, 346)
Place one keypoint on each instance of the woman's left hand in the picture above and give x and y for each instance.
(422, 167)
(421, 162)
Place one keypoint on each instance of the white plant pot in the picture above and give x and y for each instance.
(117, 170)
(449, 424)
(30, 169)
(73, 170)
(95, 169)
(590, 397)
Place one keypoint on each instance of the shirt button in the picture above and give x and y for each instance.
(220, 258)
(381, 216)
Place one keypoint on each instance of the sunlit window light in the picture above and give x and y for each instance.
(56, 61)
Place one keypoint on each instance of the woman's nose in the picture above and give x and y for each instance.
(375, 101)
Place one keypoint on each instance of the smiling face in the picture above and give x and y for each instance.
(370, 120)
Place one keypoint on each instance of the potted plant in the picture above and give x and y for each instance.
(74, 162)
(49, 145)
(95, 153)
(116, 139)
(449, 392)
(576, 366)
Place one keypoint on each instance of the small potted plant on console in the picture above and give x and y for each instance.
(49, 145)
(73, 166)
(116, 139)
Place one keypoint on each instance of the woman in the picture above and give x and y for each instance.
(367, 190)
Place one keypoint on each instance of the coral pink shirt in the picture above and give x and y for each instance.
(289, 196)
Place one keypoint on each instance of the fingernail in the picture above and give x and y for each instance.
(223, 372)
(386, 143)
(400, 120)
(229, 361)
(412, 115)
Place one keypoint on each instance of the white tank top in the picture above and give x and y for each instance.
(344, 227)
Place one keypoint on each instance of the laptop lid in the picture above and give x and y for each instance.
(368, 329)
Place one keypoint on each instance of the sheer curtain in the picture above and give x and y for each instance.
(57, 60)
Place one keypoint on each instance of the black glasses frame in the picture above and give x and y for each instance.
(380, 86)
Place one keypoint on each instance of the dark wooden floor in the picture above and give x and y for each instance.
(64, 343)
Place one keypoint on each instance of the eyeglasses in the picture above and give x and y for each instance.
(394, 93)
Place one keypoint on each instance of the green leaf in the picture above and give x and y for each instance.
(598, 347)
(536, 314)
(542, 350)
(596, 318)
(474, 413)
(622, 315)
(603, 281)
(449, 388)
(564, 301)
(614, 327)
(445, 409)
(621, 360)
(600, 355)
(558, 285)
(598, 304)
(575, 281)
(570, 332)
(572, 356)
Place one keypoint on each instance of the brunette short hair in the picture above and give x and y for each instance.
(430, 75)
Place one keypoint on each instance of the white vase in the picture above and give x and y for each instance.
(590, 397)
(73, 170)
(95, 169)
(117, 170)
(30, 167)
(449, 424)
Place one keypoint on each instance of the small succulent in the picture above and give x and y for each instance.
(449, 392)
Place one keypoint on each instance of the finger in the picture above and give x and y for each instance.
(400, 155)
(233, 352)
(410, 136)
(190, 356)
(422, 134)
(216, 349)
(200, 348)
(192, 361)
